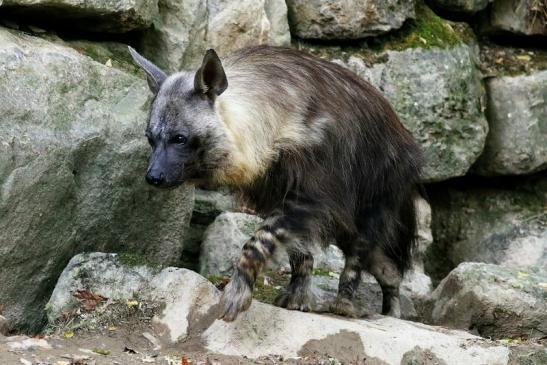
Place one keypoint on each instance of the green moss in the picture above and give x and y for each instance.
(426, 31)
(132, 260)
(268, 293)
(48, 307)
(249, 228)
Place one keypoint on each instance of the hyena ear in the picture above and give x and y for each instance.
(210, 79)
(155, 76)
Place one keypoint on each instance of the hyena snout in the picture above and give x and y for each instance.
(163, 173)
(155, 178)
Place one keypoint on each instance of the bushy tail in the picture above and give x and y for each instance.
(406, 235)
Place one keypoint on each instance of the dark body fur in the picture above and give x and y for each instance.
(361, 179)
(340, 166)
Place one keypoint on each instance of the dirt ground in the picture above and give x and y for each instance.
(122, 348)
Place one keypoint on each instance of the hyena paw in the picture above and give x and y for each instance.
(293, 300)
(236, 298)
(343, 307)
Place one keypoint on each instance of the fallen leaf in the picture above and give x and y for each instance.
(522, 275)
(112, 328)
(108, 63)
(543, 285)
(69, 334)
(524, 58)
(88, 300)
(132, 303)
(100, 351)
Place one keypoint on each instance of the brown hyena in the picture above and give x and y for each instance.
(310, 146)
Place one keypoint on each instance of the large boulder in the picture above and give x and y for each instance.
(176, 38)
(437, 94)
(208, 204)
(521, 17)
(517, 111)
(90, 15)
(496, 302)
(181, 292)
(72, 161)
(183, 30)
(237, 24)
(505, 225)
(187, 304)
(336, 19)
(441, 107)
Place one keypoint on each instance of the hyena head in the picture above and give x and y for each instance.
(188, 143)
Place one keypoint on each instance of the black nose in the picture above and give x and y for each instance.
(154, 178)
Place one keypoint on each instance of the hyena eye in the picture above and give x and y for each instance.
(179, 138)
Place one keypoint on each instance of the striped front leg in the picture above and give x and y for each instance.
(238, 293)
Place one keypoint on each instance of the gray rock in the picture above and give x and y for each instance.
(336, 19)
(183, 30)
(110, 54)
(525, 17)
(506, 225)
(529, 353)
(461, 6)
(517, 113)
(209, 204)
(223, 240)
(235, 24)
(176, 39)
(264, 329)
(72, 160)
(441, 107)
(188, 315)
(276, 11)
(181, 293)
(90, 15)
(496, 302)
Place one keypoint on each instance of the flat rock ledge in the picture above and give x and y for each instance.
(188, 315)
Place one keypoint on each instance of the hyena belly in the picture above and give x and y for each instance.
(310, 146)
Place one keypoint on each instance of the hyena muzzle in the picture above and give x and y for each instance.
(307, 144)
